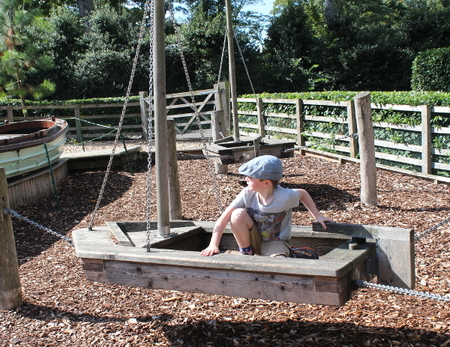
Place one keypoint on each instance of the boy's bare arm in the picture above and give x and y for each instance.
(217, 233)
(307, 200)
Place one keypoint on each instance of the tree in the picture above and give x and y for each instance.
(202, 36)
(95, 62)
(23, 35)
(287, 50)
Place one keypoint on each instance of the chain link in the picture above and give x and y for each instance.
(19, 216)
(397, 290)
(435, 227)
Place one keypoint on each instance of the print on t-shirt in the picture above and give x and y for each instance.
(268, 224)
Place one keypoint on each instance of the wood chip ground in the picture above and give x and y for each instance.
(62, 308)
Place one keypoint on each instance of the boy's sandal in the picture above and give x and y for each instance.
(304, 252)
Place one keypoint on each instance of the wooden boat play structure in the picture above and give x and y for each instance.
(230, 151)
(31, 145)
(166, 254)
(118, 254)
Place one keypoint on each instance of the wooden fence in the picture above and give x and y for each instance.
(99, 121)
(323, 127)
(416, 148)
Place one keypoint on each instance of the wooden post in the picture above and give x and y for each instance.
(160, 109)
(426, 139)
(218, 127)
(232, 70)
(145, 114)
(10, 113)
(259, 110)
(172, 167)
(76, 111)
(351, 121)
(222, 101)
(368, 170)
(298, 115)
(10, 288)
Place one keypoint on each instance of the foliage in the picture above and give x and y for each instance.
(23, 34)
(94, 56)
(431, 70)
(358, 45)
(382, 98)
(201, 37)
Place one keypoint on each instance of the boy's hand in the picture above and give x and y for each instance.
(322, 219)
(211, 250)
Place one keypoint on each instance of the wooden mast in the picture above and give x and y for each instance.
(232, 70)
(159, 92)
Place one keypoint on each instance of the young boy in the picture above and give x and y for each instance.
(261, 215)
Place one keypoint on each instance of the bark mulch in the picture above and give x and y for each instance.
(62, 308)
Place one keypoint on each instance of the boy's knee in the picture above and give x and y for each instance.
(239, 215)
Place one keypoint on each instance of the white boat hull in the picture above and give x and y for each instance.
(24, 153)
(24, 160)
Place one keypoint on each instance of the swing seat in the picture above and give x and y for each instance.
(117, 254)
(228, 151)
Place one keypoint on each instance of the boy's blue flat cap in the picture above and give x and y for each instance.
(265, 167)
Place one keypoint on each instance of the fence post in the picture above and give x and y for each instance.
(172, 167)
(426, 139)
(222, 101)
(368, 170)
(300, 125)
(351, 120)
(76, 111)
(10, 288)
(10, 113)
(259, 110)
(145, 114)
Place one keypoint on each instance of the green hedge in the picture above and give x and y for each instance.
(431, 70)
(414, 98)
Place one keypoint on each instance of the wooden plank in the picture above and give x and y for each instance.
(326, 281)
(401, 146)
(335, 120)
(393, 107)
(36, 185)
(268, 286)
(406, 127)
(398, 158)
(121, 237)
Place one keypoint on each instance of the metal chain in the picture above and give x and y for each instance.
(197, 116)
(245, 65)
(150, 127)
(435, 227)
(424, 295)
(19, 216)
(222, 57)
(122, 116)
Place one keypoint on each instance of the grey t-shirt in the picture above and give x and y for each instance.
(274, 221)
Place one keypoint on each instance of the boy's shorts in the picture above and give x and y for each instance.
(268, 248)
